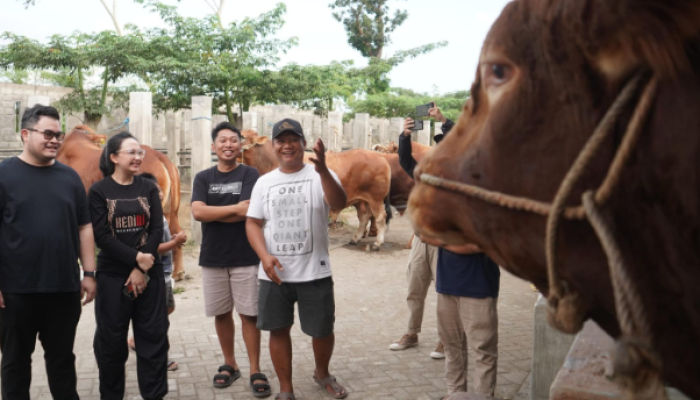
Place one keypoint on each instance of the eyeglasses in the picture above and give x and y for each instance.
(140, 153)
(49, 134)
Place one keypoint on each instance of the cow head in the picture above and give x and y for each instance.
(389, 148)
(548, 71)
(85, 132)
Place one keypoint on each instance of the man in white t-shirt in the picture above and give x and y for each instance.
(287, 227)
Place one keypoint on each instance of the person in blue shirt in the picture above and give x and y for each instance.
(467, 284)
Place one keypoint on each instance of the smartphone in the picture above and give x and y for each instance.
(128, 290)
(422, 110)
(417, 125)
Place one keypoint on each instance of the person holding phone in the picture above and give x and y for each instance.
(422, 260)
(127, 219)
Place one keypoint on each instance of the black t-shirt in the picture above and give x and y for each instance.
(225, 244)
(41, 209)
(126, 219)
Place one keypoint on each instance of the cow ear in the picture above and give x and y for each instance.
(624, 35)
(262, 139)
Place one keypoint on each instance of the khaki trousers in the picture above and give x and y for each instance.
(462, 322)
(422, 262)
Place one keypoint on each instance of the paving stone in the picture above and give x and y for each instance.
(371, 313)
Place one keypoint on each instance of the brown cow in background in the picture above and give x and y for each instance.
(81, 152)
(549, 71)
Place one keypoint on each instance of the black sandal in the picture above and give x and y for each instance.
(227, 379)
(255, 387)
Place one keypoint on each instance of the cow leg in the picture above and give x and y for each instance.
(333, 218)
(363, 216)
(379, 214)
(373, 227)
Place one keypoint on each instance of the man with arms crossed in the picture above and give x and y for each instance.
(288, 228)
(220, 198)
(44, 229)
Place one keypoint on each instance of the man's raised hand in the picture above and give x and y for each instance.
(320, 159)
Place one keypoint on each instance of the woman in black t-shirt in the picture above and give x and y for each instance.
(127, 219)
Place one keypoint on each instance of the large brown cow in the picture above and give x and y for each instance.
(80, 151)
(365, 176)
(549, 71)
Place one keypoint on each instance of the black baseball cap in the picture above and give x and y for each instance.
(287, 125)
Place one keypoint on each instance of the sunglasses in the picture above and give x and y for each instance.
(140, 153)
(49, 134)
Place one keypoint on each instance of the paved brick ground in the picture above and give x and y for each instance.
(371, 314)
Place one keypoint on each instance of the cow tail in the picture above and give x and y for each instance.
(387, 208)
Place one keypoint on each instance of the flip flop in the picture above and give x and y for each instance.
(285, 396)
(172, 365)
(330, 380)
(255, 387)
(227, 379)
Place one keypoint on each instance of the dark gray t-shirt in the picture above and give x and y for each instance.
(225, 244)
(41, 209)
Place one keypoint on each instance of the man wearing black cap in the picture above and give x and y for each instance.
(287, 227)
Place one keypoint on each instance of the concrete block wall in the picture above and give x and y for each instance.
(10, 94)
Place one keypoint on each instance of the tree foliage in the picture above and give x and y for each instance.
(69, 60)
(202, 57)
(368, 24)
(402, 103)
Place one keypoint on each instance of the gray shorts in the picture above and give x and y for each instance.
(316, 306)
(169, 298)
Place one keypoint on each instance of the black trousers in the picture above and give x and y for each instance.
(113, 312)
(54, 317)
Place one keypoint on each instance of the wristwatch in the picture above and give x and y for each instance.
(89, 273)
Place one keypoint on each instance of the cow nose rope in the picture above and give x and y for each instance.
(635, 359)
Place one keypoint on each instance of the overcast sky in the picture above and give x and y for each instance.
(463, 23)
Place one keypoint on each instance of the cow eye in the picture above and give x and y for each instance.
(498, 71)
(496, 74)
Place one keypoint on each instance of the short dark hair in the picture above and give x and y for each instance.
(114, 144)
(224, 125)
(148, 175)
(31, 115)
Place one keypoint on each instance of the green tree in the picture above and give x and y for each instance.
(402, 103)
(70, 61)
(203, 57)
(368, 24)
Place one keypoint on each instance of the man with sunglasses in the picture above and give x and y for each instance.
(44, 229)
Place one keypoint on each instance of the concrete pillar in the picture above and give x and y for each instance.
(335, 131)
(201, 146)
(395, 129)
(423, 136)
(549, 352)
(360, 132)
(438, 131)
(316, 130)
(37, 99)
(173, 122)
(250, 121)
(140, 116)
(268, 122)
